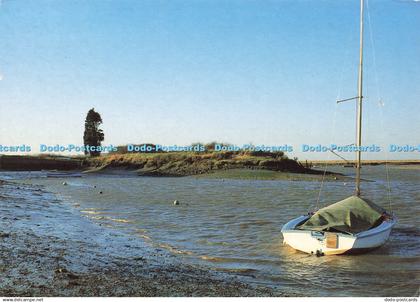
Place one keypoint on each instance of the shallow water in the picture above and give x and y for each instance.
(234, 225)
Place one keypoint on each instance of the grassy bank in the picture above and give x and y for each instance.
(197, 163)
(246, 165)
(239, 165)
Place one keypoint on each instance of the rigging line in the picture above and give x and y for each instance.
(381, 105)
(329, 156)
(340, 87)
(373, 50)
(338, 155)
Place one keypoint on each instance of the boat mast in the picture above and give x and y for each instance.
(359, 104)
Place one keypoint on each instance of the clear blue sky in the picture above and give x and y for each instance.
(177, 72)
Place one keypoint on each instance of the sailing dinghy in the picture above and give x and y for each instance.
(351, 225)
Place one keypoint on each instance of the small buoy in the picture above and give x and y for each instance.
(64, 184)
(94, 186)
(100, 192)
(176, 202)
(335, 178)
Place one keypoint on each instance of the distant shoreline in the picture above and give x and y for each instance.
(372, 162)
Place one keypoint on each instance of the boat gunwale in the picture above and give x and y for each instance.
(289, 227)
(384, 226)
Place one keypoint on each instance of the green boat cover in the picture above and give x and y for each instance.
(351, 215)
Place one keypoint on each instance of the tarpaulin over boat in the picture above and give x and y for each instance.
(351, 215)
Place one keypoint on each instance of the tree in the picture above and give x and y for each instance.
(93, 136)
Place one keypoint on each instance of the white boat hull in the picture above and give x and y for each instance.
(315, 242)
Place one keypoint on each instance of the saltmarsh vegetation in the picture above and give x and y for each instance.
(196, 163)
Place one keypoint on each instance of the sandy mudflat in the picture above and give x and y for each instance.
(47, 249)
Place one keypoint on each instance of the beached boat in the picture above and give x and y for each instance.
(352, 225)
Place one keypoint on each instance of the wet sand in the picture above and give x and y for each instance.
(48, 249)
